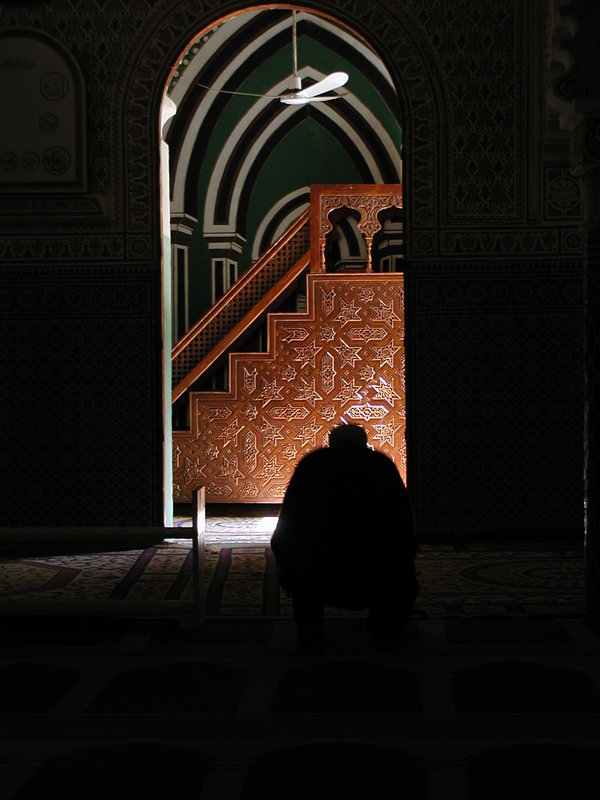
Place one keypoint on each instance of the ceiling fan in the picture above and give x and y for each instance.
(315, 93)
(296, 95)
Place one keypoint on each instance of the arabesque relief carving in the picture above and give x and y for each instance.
(341, 360)
(367, 199)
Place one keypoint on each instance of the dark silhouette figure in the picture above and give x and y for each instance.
(345, 537)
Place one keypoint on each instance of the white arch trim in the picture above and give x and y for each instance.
(183, 161)
(208, 46)
(329, 110)
(207, 50)
(285, 221)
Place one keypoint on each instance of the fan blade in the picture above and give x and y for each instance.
(294, 101)
(333, 81)
(324, 97)
(299, 101)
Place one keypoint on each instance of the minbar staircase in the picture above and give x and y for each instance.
(340, 360)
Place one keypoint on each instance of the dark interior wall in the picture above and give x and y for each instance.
(80, 291)
(498, 404)
(493, 273)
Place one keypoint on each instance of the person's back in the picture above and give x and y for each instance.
(345, 531)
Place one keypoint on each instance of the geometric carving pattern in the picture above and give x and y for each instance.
(484, 103)
(343, 359)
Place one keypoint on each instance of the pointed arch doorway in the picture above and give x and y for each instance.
(231, 174)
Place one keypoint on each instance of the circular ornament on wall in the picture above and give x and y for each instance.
(8, 161)
(57, 160)
(424, 243)
(30, 160)
(48, 122)
(563, 193)
(54, 86)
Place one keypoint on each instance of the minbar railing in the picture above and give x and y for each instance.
(241, 306)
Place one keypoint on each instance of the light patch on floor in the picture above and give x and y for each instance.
(221, 530)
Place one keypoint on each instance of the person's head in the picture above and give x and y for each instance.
(348, 435)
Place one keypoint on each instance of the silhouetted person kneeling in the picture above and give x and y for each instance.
(345, 537)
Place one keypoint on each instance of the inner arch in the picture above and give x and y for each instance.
(219, 144)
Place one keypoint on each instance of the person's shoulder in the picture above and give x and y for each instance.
(314, 457)
(381, 457)
(382, 462)
(318, 452)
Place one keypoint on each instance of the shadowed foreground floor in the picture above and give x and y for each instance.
(493, 693)
(465, 708)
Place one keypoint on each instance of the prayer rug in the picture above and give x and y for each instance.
(241, 580)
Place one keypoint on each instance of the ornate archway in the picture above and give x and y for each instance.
(408, 59)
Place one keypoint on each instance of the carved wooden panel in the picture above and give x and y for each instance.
(367, 199)
(341, 360)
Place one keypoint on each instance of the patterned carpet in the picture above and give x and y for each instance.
(493, 692)
(241, 577)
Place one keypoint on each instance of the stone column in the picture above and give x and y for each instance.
(585, 160)
(573, 29)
